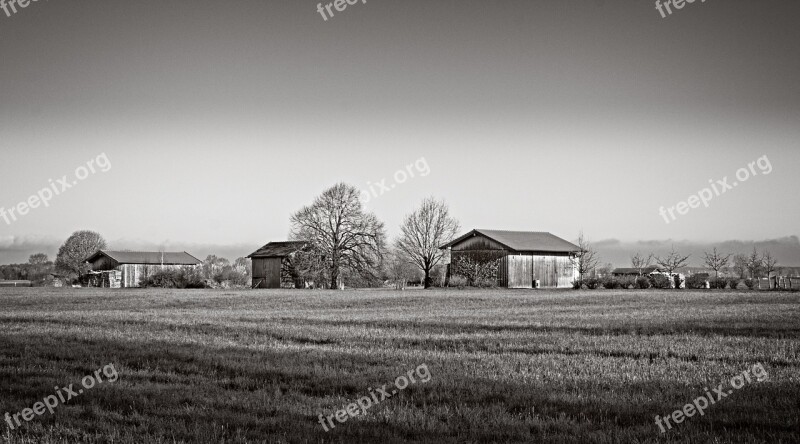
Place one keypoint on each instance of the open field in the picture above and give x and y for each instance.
(505, 366)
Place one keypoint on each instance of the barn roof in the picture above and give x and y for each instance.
(147, 257)
(278, 249)
(523, 241)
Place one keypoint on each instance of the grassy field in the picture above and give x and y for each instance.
(505, 366)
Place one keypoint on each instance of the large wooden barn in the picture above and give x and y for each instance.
(523, 257)
(131, 266)
(272, 265)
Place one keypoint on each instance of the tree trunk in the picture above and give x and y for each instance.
(427, 279)
(335, 277)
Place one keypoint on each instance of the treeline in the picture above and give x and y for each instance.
(38, 270)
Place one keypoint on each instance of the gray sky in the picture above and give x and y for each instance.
(221, 118)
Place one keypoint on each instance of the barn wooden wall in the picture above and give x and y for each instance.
(521, 270)
(268, 271)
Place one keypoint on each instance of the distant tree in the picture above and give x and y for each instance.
(605, 270)
(38, 268)
(400, 270)
(214, 265)
(72, 256)
(755, 266)
(740, 262)
(640, 262)
(769, 263)
(672, 261)
(242, 265)
(341, 236)
(38, 259)
(716, 261)
(423, 233)
(587, 258)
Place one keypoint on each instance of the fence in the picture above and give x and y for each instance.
(16, 284)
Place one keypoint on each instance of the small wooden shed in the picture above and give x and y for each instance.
(272, 265)
(523, 258)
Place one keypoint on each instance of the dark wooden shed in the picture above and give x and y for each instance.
(272, 265)
(522, 257)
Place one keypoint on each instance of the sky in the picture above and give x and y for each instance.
(214, 121)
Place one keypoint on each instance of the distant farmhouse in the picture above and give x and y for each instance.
(634, 272)
(124, 269)
(525, 257)
(272, 265)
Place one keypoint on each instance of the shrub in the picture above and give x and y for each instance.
(696, 282)
(486, 283)
(592, 283)
(577, 284)
(660, 281)
(627, 282)
(458, 281)
(232, 275)
(718, 283)
(733, 283)
(170, 278)
(609, 283)
(642, 282)
(475, 269)
(751, 283)
(678, 281)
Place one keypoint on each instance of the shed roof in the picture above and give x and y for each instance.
(523, 241)
(147, 257)
(278, 249)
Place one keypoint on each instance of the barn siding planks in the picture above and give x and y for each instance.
(268, 271)
(520, 271)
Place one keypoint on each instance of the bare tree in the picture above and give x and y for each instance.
(400, 269)
(640, 262)
(769, 263)
(587, 258)
(716, 261)
(740, 265)
(342, 237)
(71, 258)
(754, 265)
(424, 232)
(672, 261)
